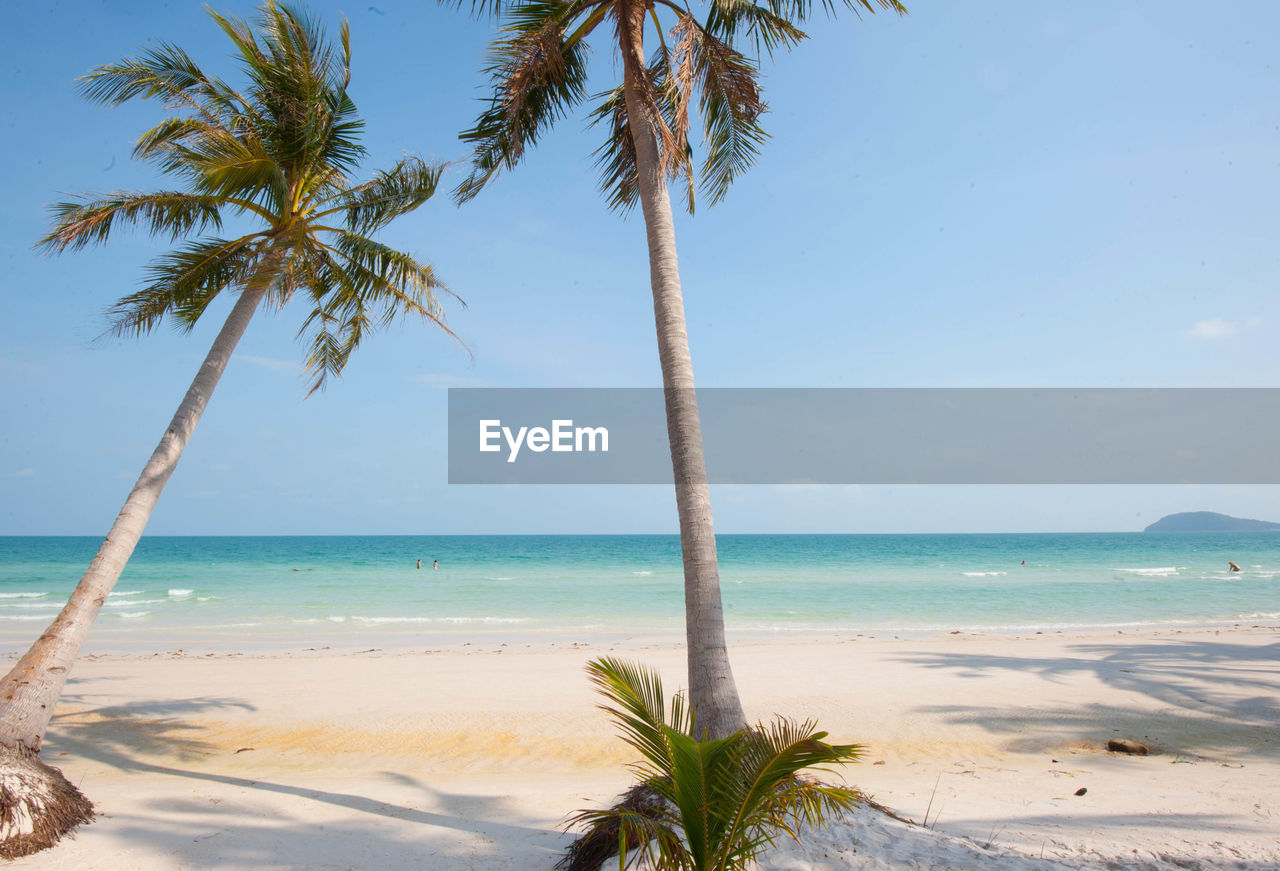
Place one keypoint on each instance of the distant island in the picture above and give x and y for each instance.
(1208, 521)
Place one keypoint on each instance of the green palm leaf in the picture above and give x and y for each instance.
(720, 801)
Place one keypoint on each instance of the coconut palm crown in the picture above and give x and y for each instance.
(275, 156)
(538, 73)
(280, 154)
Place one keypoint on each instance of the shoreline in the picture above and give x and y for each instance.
(123, 644)
(468, 758)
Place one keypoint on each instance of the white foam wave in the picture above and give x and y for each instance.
(337, 619)
(1160, 572)
(116, 593)
(500, 579)
(133, 603)
(642, 574)
(393, 619)
(132, 615)
(1273, 615)
(27, 616)
(483, 619)
(180, 594)
(22, 595)
(28, 604)
(982, 574)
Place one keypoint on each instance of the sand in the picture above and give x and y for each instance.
(470, 757)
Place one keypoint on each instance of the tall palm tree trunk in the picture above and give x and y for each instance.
(37, 804)
(712, 690)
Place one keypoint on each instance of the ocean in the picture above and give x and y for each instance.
(257, 593)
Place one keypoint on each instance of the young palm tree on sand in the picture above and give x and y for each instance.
(710, 805)
(538, 71)
(276, 154)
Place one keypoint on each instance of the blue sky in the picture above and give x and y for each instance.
(982, 194)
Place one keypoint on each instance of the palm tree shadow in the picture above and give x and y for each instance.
(1213, 696)
(147, 737)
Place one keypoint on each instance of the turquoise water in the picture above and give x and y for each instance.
(263, 592)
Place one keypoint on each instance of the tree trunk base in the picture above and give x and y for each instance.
(37, 804)
(598, 845)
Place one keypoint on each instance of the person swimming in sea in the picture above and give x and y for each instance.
(435, 565)
(1232, 566)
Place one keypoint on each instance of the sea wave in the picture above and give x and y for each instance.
(131, 615)
(483, 619)
(982, 574)
(22, 595)
(117, 593)
(642, 574)
(133, 603)
(27, 616)
(29, 604)
(393, 619)
(1159, 572)
(180, 594)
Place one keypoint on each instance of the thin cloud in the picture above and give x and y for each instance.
(23, 473)
(1221, 328)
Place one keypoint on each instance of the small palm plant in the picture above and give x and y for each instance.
(711, 805)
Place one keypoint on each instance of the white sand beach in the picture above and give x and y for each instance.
(469, 758)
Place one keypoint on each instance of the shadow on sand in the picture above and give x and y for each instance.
(227, 822)
(1213, 697)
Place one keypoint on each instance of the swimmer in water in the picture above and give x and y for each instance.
(435, 565)
(1233, 566)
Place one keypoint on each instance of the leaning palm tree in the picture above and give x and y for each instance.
(276, 155)
(713, 804)
(539, 71)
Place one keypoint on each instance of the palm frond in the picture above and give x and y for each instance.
(731, 104)
(480, 8)
(164, 213)
(672, 85)
(168, 73)
(388, 195)
(537, 75)
(616, 158)
(183, 282)
(762, 24)
(298, 88)
(634, 699)
(802, 10)
(357, 286)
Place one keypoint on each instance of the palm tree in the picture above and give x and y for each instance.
(719, 801)
(538, 70)
(277, 156)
